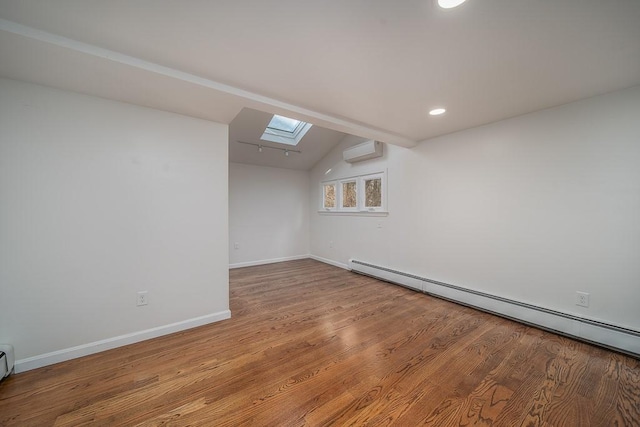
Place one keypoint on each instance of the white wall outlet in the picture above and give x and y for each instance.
(142, 298)
(236, 245)
(582, 299)
(331, 244)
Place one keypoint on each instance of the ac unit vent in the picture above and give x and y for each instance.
(367, 150)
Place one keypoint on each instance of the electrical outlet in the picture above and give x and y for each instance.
(142, 298)
(236, 245)
(582, 299)
(331, 244)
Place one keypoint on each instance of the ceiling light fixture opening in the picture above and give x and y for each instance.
(450, 4)
(437, 111)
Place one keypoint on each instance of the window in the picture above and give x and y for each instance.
(360, 194)
(372, 192)
(329, 196)
(285, 130)
(283, 124)
(349, 199)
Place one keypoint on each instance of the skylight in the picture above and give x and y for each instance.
(450, 4)
(284, 124)
(285, 130)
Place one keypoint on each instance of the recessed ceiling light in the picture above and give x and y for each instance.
(437, 111)
(449, 4)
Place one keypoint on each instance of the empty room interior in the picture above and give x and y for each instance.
(288, 213)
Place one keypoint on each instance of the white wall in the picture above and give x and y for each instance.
(99, 200)
(268, 214)
(532, 208)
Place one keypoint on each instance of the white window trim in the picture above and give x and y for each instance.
(353, 213)
(335, 185)
(362, 193)
(360, 210)
(341, 206)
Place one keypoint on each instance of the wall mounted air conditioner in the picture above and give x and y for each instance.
(6, 360)
(367, 150)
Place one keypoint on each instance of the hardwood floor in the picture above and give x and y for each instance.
(311, 344)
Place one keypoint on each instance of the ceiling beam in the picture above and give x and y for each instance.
(244, 97)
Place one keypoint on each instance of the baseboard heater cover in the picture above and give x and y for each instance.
(7, 360)
(611, 336)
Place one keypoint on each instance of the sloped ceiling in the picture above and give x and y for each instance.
(373, 68)
(249, 125)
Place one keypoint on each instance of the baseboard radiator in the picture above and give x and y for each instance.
(7, 360)
(611, 336)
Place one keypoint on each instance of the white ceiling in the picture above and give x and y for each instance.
(249, 125)
(372, 68)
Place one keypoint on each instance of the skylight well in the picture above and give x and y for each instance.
(284, 130)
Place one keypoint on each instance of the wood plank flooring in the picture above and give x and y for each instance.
(315, 345)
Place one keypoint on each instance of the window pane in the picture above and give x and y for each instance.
(284, 124)
(330, 196)
(349, 197)
(373, 193)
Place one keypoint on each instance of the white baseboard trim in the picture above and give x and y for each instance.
(594, 331)
(330, 262)
(110, 343)
(267, 261)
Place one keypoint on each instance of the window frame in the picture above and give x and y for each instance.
(341, 205)
(360, 208)
(296, 128)
(363, 195)
(283, 136)
(335, 192)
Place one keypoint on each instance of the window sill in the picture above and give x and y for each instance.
(354, 213)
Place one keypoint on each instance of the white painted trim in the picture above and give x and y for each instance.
(267, 261)
(321, 119)
(360, 209)
(110, 343)
(291, 258)
(591, 330)
(330, 262)
(353, 213)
